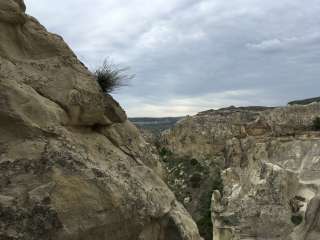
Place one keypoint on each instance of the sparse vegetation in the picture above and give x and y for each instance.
(110, 76)
(296, 219)
(164, 153)
(188, 177)
(316, 124)
(205, 223)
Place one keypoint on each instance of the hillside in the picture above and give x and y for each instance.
(155, 125)
(253, 171)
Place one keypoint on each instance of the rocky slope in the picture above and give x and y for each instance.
(72, 166)
(269, 165)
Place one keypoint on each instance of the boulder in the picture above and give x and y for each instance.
(72, 166)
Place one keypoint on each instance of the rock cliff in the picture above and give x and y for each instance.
(72, 166)
(269, 164)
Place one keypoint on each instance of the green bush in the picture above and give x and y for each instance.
(296, 219)
(110, 77)
(316, 124)
(164, 152)
(194, 162)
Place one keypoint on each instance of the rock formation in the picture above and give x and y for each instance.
(269, 160)
(72, 166)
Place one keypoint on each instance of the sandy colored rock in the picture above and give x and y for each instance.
(270, 169)
(72, 166)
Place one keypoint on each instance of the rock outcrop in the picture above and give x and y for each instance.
(269, 160)
(72, 166)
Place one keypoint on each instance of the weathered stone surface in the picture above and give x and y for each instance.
(71, 166)
(270, 162)
(310, 229)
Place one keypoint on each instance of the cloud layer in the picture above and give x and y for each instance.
(193, 55)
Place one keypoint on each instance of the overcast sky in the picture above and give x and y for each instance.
(194, 55)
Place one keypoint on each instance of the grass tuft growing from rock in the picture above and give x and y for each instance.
(111, 77)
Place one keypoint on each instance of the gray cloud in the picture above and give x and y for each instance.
(191, 55)
(276, 44)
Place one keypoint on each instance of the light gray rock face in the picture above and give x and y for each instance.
(72, 166)
(271, 173)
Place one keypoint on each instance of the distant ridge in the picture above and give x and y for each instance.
(233, 108)
(155, 125)
(305, 101)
